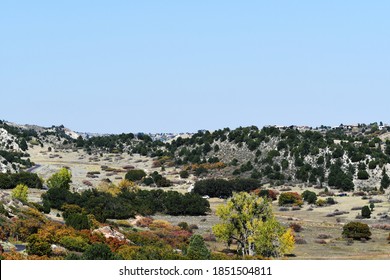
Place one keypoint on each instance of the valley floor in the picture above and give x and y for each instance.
(321, 234)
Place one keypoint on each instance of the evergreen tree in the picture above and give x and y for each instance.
(366, 212)
(78, 221)
(197, 249)
(38, 246)
(99, 251)
(338, 178)
(385, 181)
(23, 145)
(363, 175)
(80, 142)
(356, 230)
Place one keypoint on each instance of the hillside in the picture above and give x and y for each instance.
(345, 157)
(148, 196)
(342, 157)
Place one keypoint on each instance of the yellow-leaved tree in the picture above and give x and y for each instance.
(128, 185)
(123, 185)
(20, 192)
(61, 179)
(248, 220)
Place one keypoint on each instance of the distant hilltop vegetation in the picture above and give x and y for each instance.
(347, 157)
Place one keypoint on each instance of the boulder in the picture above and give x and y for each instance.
(109, 232)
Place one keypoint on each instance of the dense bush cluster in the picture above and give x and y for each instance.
(135, 175)
(290, 198)
(224, 188)
(338, 178)
(140, 144)
(366, 212)
(309, 196)
(160, 241)
(109, 142)
(184, 174)
(127, 204)
(157, 179)
(270, 194)
(19, 132)
(356, 230)
(10, 181)
(16, 157)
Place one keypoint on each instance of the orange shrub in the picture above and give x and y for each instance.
(161, 224)
(3, 234)
(144, 238)
(115, 243)
(176, 238)
(13, 255)
(144, 222)
(290, 198)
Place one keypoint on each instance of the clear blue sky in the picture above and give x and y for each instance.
(176, 66)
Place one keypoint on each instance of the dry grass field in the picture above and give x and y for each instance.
(322, 235)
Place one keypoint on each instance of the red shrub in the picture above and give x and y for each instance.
(144, 222)
(87, 183)
(296, 227)
(115, 243)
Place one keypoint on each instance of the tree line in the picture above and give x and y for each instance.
(127, 203)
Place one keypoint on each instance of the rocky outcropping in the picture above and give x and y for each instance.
(109, 232)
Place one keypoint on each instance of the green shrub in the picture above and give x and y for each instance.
(20, 192)
(38, 246)
(163, 183)
(197, 249)
(148, 181)
(321, 202)
(356, 230)
(270, 194)
(372, 164)
(74, 243)
(99, 251)
(2, 210)
(309, 196)
(385, 181)
(200, 170)
(77, 221)
(290, 198)
(256, 174)
(330, 201)
(366, 212)
(61, 179)
(338, 178)
(10, 181)
(126, 204)
(157, 179)
(184, 174)
(224, 188)
(72, 257)
(183, 225)
(135, 175)
(46, 206)
(363, 175)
